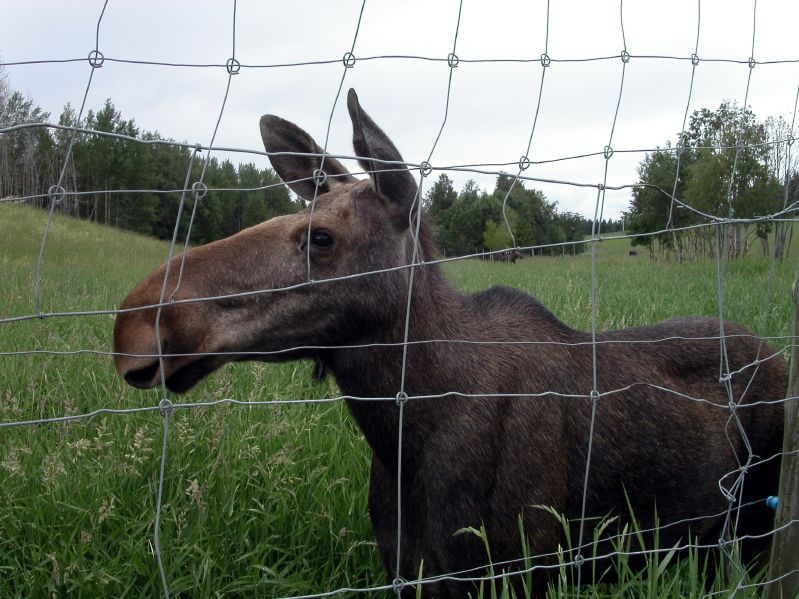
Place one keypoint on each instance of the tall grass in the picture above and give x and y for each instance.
(258, 501)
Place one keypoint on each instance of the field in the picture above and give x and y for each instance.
(259, 501)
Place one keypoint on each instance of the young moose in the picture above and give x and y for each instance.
(483, 453)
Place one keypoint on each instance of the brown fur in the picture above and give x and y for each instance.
(509, 256)
(471, 457)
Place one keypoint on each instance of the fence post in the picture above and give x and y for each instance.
(785, 546)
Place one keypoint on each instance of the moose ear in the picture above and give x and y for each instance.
(297, 172)
(393, 182)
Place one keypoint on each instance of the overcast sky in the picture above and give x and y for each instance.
(492, 104)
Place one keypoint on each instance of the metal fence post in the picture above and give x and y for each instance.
(785, 546)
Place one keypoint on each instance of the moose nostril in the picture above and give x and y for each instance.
(142, 377)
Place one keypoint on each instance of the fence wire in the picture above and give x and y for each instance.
(730, 485)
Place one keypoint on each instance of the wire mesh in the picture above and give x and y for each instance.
(731, 486)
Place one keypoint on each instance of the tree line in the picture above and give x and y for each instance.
(136, 186)
(472, 221)
(726, 164)
(124, 183)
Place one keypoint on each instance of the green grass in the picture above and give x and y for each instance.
(633, 290)
(258, 501)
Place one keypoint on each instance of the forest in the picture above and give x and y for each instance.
(133, 180)
(472, 220)
(727, 164)
(124, 183)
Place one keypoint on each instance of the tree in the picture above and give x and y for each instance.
(440, 197)
(652, 208)
(117, 180)
(25, 164)
(437, 202)
(277, 199)
(783, 163)
(473, 220)
(467, 219)
(727, 167)
(126, 183)
(495, 233)
(729, 174)
(572, 225)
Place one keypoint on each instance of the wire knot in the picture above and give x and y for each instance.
(56, 194)
(524, 163)
(752, 62)
(545, 60)
(96, 59)
(694, 59)
(165, 406)
(607, 152)
(625, 56)
(348, 59)
(233, 66)
(402, 398)
(397, 585)
(425, 168)
(198, 190)
(453, 60)
(319, 177)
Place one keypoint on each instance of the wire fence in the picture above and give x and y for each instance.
(582, 556)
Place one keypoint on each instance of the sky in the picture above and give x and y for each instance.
(492, 101)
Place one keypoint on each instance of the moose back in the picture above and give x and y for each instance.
(507, 426)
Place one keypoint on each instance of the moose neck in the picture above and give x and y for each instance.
(437, 312)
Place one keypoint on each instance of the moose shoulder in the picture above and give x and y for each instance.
(499, 412)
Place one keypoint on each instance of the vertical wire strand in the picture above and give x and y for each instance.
(416, 211)
(158, 503)
(525, 159)
(595, 231)
(319, 177)
(681, 139)
(769, 294)
(198, 186)
(734, 493)
(95, 62)
(165, 404)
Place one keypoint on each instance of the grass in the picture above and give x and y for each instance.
(258, 501)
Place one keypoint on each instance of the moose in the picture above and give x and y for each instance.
(499, 399)
(508, 256)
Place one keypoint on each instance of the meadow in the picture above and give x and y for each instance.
(259, 501)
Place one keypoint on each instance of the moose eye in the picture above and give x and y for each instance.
(321, 238)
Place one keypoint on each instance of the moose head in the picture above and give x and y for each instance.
(353, 227)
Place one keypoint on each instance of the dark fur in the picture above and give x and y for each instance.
(471, 458)
(509, 256)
